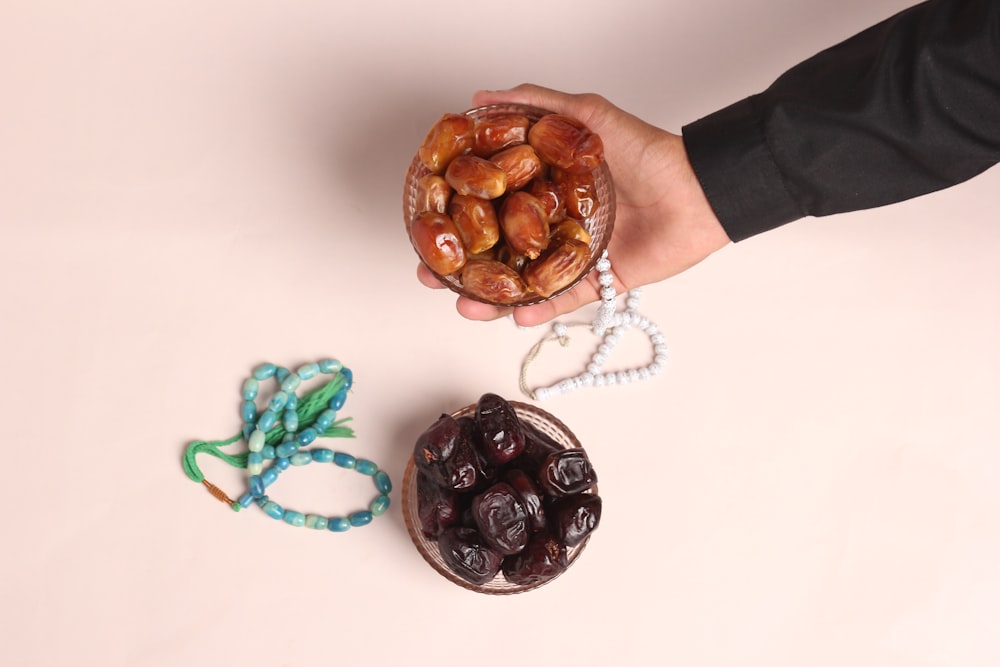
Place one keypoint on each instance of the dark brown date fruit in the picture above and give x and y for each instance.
(476, 221)
(498, 132)
(471, 175)
(525, 224)
(566, 472)
(433, 194)
(501, 518)
(445, 455)
(543, 558)
(568, 228)
(573, 518)
(529, 495)
(452, 135)
(506, 255)
(438, 243)
(537, 446)
(466, 554)
(579, 191)
(551, 197)
(500, 429)
(559, 266)
(521, 164)
(566, 143)
(438, 508)
(492, 281)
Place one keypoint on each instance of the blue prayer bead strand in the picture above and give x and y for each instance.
(291, 451)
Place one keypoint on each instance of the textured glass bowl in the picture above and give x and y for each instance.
(428, 548)
(600, 225)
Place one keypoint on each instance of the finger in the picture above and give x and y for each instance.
(541, 313)
(476, 310)
(526, 93)
(427, 278)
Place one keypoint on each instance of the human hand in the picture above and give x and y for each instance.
(663, 222)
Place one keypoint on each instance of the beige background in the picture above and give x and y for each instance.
(190, 188)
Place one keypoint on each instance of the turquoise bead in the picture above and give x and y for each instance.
(248, 411)
(291, 383)
(307, 371)
(255, 458)
(330, 366)
(338, 400)
(325, 420)
(361, 518)
(338, 524)
(301, 458)
(248, 429)
(382, 482)
(344, 460)
(256, 486)
(379, 505)
(293, 518)
(268, 452)
(349, 376)
(281, 373)
(282, 462)
(267, 420)
(293, 402)
(315, 521)
(365, 467)
(278, 401)
(250, 387)
(269, 476)
(306, 437)
(246, 500)
(322, 455)
(264, 371)
(290, 421)
(286, 449)
(256, 441)
(273, 509)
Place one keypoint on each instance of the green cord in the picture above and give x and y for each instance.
(309, 407)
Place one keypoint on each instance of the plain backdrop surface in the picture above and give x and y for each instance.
(188, 189)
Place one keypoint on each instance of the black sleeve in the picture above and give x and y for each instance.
(909, 106)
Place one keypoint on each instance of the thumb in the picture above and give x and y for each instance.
(530, 94)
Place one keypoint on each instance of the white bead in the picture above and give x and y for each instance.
(660, 348)
(559, 329)
(644, 373)
(606, 279)
(657, 339)
(607, 293)
(611, 378)
(603, 264)
(600, 380)
(587, 379)
(599, 358)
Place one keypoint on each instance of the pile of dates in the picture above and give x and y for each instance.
(500, 496)
(503, 206)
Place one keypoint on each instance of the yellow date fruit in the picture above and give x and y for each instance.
(476, 221)
(494, 133)
(492, 281)
(524, 223)
(566, 143)
(452, 135)
(551, 197)
(559, 266)
(521, 164)
(438, 243)
(568, 228)
(476, 176)
(579, 191)
(433, 194)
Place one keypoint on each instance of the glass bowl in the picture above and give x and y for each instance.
(599, 225)
(428, 548)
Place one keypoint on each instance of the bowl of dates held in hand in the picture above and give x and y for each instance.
(509, 204)
(499, 497)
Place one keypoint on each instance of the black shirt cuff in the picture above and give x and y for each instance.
(737, 172)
